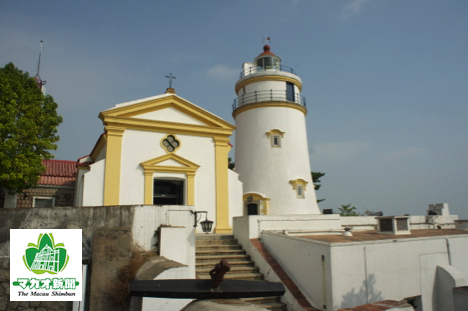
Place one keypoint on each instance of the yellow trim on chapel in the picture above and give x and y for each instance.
(222, 186)
(268, 78)
(189, 169)
(100, 144)
(246, 107)
(165, 148)
(125, 115)
(113, 165)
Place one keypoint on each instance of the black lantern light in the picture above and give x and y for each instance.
(206, 224)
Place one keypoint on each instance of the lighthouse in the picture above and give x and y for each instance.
(271, 150)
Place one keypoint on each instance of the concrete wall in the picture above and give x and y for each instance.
(6, 304)
(416, 222)
(309, 267)
(141, 222)
(362, 272)
(235, 196)
(63, 196)
(251, 227)
(460, 298)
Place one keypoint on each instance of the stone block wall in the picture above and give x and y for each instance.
(2, 197)
(6, 304)
(64, 196)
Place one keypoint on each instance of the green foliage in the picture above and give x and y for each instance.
(28, 129)
(347, 210)
(316, 180)
(231, 164)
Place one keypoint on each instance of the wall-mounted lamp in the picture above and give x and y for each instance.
(249, 199)
(206, 224)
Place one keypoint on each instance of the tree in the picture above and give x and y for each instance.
(231, 164)
(347, 210)
(28, 129)
(316, 180)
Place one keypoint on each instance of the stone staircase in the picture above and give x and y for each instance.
(211, 248)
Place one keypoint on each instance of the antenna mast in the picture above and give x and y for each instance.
(39, 81)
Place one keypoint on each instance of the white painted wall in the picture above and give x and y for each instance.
(269, 170)
(416, 222)
(79, 183)
(151, 304)
(140, 146)
(169, 115)
(93, 188)
(368, 271)
(235, 196)
(173, 245)
(251, 227)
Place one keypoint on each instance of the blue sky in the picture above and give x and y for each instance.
(385, 80)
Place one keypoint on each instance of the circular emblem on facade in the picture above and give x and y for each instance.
(171, 143)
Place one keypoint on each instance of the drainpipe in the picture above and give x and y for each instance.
(447, 242)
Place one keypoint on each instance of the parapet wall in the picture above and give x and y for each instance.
(86, 218)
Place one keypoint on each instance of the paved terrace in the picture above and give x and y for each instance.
(372, 235)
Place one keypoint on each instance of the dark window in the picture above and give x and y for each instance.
(290, 92)
(170, 143)
(43, 202)
(252, 209)
(168, 192)
(275, 140)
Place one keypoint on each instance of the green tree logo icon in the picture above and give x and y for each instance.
(46, 256)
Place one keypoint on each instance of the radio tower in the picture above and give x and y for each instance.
(39, 81)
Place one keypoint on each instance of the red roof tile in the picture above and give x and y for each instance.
(58, 173)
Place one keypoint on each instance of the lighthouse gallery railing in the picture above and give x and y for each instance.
(268, 96)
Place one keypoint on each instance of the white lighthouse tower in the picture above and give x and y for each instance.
(272, 157)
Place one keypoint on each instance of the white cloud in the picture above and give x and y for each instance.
(353, 7)
(399, 154)
(222, 71)
(338, 152)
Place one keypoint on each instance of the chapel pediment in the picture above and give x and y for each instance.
(163, 113)
(169, 163)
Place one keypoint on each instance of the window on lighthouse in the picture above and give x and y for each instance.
(276, 141)
(268, 63)
(300, 192)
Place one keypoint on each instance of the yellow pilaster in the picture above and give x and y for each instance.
(190, 188)
(113, 165)
(222, 186)
(148, 187)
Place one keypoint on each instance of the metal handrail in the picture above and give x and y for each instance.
(268, 95)
(255, 69)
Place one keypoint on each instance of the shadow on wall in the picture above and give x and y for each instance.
(366, 294)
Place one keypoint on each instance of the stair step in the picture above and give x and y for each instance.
(234, 269)
(236, 276)
(209, 247)
(199, 237)
(217, 258)
(220, 252)
(211, 242)
(211, 264)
